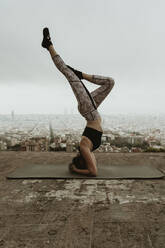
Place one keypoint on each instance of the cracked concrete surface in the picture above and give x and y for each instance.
(81, 213)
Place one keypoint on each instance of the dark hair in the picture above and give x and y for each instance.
(79, 162)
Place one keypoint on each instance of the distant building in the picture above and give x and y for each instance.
(137, 140)
(152, 141)
(162, 141)
(12, 115)
(124, 149)
(3, 145)
(69, 147)
(132, 140)
(51, 133)
(136, 149)
(36, 144)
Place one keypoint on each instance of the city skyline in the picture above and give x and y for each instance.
(60, 132)
(72, 111)
(124, 40)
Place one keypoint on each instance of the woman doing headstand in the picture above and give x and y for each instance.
(84, 162)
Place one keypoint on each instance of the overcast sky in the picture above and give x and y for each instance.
(121, 39)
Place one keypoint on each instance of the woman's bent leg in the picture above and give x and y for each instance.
(100, 93)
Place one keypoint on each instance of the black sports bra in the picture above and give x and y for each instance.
(94, 135)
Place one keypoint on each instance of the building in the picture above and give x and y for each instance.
(36, 144)
(69, 147)
(3, 145)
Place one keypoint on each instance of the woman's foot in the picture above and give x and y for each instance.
(46, 39)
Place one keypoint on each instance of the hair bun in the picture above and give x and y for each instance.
(79, 162)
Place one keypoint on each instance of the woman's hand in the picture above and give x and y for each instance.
(72, 167)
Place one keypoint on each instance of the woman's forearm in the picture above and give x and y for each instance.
(84, 172)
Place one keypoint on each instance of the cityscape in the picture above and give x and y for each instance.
(62, 132)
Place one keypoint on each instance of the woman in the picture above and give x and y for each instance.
(84, 162)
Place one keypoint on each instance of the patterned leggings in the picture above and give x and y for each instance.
(87, 102)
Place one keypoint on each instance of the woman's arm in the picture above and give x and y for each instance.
(90, 159)
(79, 171)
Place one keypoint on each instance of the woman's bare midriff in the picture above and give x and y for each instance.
(95, 124)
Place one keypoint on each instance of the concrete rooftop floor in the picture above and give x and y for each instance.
(81, 212)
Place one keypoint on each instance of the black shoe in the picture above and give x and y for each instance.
(78, 73)
(46, 39)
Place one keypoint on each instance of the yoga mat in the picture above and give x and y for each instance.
(60, 171)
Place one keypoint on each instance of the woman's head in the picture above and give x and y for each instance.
(79, 161)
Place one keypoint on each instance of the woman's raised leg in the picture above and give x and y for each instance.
(84, 101)
(85, 105)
